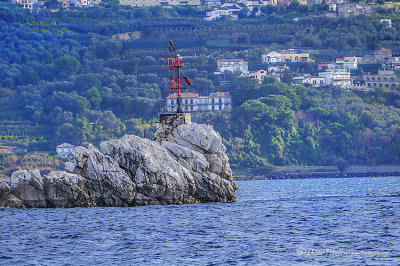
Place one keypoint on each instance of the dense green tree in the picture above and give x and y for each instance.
(66, 66)
(85, 82)
(94, 97)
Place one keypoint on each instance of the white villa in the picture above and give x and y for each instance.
(339, 77)
(251, 4)
(228, 10)
(64, 150)
(289, 55)
(349, 62)
(309, 81)
(271, 57)
(233, 65)
(192, 102)
(148, 3)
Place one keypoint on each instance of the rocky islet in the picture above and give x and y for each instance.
(184, 163)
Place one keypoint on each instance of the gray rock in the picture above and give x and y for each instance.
(27, 185)
(183, 164)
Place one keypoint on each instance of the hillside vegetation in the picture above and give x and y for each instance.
(64, 79)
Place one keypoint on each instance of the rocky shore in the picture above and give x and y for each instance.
(297, 172)
(183, 164)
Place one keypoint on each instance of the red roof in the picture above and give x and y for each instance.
(220, 94)
(183, 95)
(230, 60)
(383, 50)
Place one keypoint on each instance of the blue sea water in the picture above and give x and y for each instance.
(354, 221)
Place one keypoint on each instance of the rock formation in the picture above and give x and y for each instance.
(183, 164)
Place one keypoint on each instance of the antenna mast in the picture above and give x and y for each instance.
(174, 65)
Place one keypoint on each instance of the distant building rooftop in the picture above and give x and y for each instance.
(183, 95)
(220, 94)
(65, 145)
(230, 60)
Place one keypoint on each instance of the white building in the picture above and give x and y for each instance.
(27, 4)
(227, 10)
(251, 4)
(309, 81)
(211, 3)
(388, 22)
(64, 150)
(313, 81)
(192, 102)
(233, 65)
(148, 3)
(81, 3)
(349, 62)
(280, 69)
(338, 77)
(271, 57)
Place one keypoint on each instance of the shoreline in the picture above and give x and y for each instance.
(306, 172)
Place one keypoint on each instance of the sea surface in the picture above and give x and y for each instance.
(352, 221)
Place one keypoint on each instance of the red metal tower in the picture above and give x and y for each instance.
(174, 65)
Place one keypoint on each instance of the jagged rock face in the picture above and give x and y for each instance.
(185, 164)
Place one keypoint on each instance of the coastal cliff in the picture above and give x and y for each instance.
(186, 163)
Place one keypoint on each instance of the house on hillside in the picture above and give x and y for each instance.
(226, 10)
(338, 77)
(307, 80)
(271, 57)
(349, 9)
(383, 79)
(348, 62)
(192, 102)
(387, 21)
(148, 3)
(382, 55)
(64, 150)
(251, 4)
(258, 76)
(293, 56)
(233, 65)
(211, 3)
(27, 4)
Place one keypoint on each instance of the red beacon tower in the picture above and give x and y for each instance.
(175, 80)
(176, 83)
